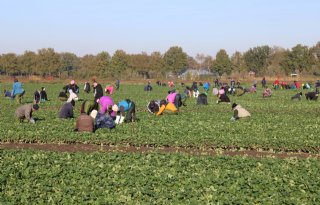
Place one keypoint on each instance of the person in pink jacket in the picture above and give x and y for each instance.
(171, 97)
(106, 105)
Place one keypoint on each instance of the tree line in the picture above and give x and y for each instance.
(263, 60)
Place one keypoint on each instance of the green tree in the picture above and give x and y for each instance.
(48, 61)
(237, 62)
(69, 62)
(102, 64)
(157, 63)
(27, 62)
(175, 59)
(222, 63)
(298, 59)
(256, 59)
(9, 64)
(119, 63)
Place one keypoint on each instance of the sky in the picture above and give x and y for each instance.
(197, 26)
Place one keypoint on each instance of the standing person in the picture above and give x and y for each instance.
(117, 84)
(239, 112)
(67, 110)
(86, 87)
(232, 83)
(25, 112)
(127, 109)
(98, 91)
(17, 91)
(84, 123)
(36, 97)
(263, 82)
(43, 94)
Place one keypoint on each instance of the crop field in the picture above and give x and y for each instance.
(277, 125)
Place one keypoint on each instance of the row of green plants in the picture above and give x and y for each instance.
(37, 177)
(277, 123)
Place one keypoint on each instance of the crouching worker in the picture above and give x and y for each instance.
(25, 112)
(63, 96)
(127, 112)
(239, 112)
(67, 110)
(88, 106)
(84, 123)
(223, 98)
(153, 106)
(297, 96)
(104, 121)
(311, 95)
(166, 106)
(175, 98)
(202, 99)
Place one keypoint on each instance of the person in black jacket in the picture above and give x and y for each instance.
(67, 110)
(87, 87)
(43, 95)
(98, 91)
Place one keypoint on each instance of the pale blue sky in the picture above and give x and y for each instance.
(198, 26)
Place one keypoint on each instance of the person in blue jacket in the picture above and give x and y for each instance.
(206, 86)
(17, 91)
(127, 111)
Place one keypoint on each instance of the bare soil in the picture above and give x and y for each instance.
(89, 148)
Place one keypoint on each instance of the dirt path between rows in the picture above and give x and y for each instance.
(89, 148)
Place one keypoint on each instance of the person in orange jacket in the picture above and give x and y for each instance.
(166, 106)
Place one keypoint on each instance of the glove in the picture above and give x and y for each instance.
(32, 121)
(233, 118)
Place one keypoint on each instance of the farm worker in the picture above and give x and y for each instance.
(7, 94)
(267, 92)
(88, 106)
(72, 96)
(223, 98)
(127, 108)
(239, 112)
(25, 112)
(104, 121)
(153, 106)
(86, 87)
(84, 123)
(17, 91)
(36, 97)
(297, 96)
(175, 98)
(202, 99)
(98, 91)
(263, 82)
(206, 86)
(117, 84)
(43, 95)
(109, 89)
(67, 110)
(72, 86)
(106, 106)
(63, 96)
(164, 105)
(312, 95)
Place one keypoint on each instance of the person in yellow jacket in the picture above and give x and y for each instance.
(166, 106)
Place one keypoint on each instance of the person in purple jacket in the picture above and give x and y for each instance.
(106, 105)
